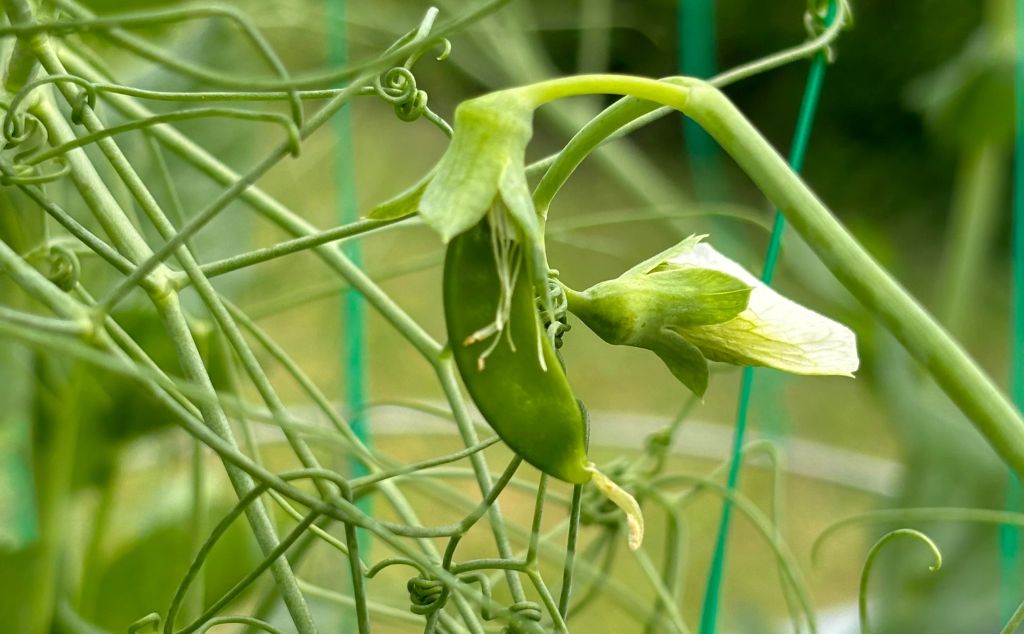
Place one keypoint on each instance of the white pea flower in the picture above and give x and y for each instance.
(691, 304)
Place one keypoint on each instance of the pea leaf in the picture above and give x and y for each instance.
(404, 204)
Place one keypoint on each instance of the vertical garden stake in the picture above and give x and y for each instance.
(697, 59)
(1009, 536)
(815, 77)
(353, 344)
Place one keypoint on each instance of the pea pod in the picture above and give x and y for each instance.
(507, 363)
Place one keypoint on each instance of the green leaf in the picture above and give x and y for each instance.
(404, 204)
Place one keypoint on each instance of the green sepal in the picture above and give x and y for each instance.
(683, 359)
(697, 297)
(634, 309)
(654, 261)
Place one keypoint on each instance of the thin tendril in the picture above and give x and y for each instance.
(865, 575)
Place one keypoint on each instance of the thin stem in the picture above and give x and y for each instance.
(445, 369)
(288, 247)
(170, 117)
(1015, 621)
(339, 509)
(370, 480)
(89, 239)
(280, 215)
(166, 16)
(412, 44)
(538, 516)
(665, 597)
(569, 566)
(44, 324)
(105, 208)
(786, 560)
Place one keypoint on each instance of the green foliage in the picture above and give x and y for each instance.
(120, 202)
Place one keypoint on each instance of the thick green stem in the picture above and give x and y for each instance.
(951, 367)
(213, 415)
(958, 375)
(21, 65)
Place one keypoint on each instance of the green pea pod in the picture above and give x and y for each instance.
(506, 361)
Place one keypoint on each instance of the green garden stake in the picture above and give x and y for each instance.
(352, 319)
(696, 26)
(1009, 536)
(805, 121)
(353, 342)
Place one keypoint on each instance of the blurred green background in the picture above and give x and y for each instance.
(912, 150)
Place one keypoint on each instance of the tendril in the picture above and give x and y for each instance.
(110, 25)
(21, 128)
(426, 595)
(443, 42)
(862, 601)
(556, 323)
(86, 97)
(65, 269)
(523, 615)
(21, 174)
(816, 24)
(294, 135)
(397, 86)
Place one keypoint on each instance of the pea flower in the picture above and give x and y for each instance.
(483, 169)
(482, 178)
(691, 304)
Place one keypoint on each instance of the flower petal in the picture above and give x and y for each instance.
(491, 134)
(773, 331)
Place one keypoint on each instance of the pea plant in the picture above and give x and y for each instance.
(75, 254)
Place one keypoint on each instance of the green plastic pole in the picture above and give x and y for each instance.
(696, 30)
(1009, 536)
(805, 122)
(353, 340)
